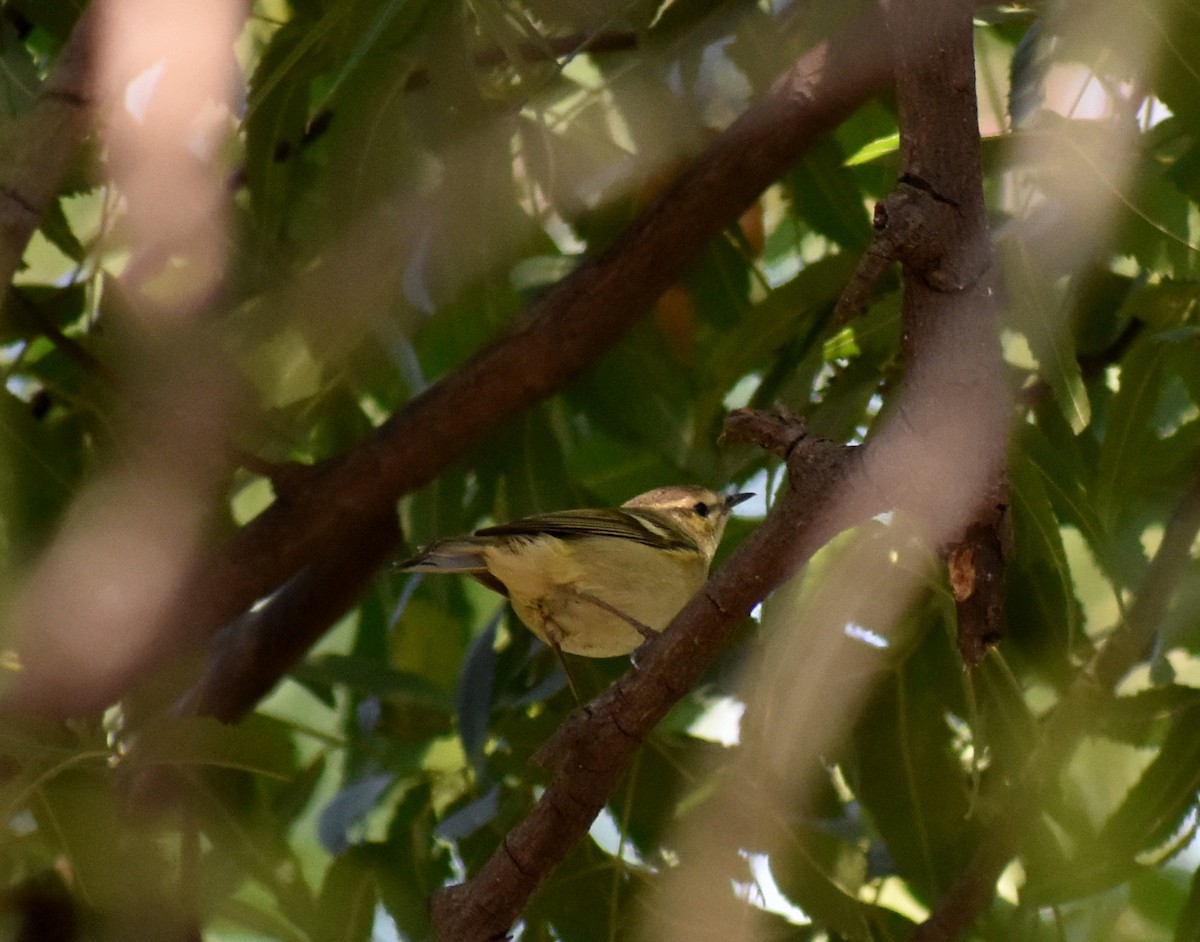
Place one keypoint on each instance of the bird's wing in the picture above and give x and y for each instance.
(639, 526)
(459, 555)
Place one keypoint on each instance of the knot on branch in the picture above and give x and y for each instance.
(929, 235)
(778, 432)
(815, 465)
(976, 567)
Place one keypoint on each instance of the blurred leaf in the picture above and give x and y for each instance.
(468, 819)
(473, 701)
(371, 677)
(347, 808)
(827, 195)
(908, 776)
(635, 394)
(259, 746)
(806, 883)
(346, 908)
(1187, 929)
(1027, 75)
(261, 919)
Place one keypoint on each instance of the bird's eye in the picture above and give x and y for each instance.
(702, 509)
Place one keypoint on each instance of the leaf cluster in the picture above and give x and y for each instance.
(405, 178)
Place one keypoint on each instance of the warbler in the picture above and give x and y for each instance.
(595, 582)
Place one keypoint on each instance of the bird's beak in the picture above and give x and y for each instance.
(732, 500)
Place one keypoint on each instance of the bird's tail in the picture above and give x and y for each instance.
(448, 556)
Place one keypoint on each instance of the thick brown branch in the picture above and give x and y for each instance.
(591, 751)
(935, 224)
(260, 647)
(977, 567)
(559, 337)
(42, 143)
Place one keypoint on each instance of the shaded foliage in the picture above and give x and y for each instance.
(438, 166)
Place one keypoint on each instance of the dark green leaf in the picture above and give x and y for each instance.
(827, 195)
(346, 908)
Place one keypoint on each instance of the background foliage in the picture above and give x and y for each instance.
(500, 150)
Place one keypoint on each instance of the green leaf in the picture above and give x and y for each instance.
(57, 229)
(370, 677)
(1129, 429)
(346, 907)
(1065, 466)
(880, 147)
(259, 745)
(412, 865)
(1187, 929)
(907, 773)
(394, 21)
(805, 882)
(1035, 303)
(39, 467)
(473, 700)
(827, 195)
(1154, 809)
(1042, 610)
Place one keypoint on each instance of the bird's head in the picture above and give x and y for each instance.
(697, 511)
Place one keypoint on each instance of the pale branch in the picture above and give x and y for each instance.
(591, 751)
(559, 336)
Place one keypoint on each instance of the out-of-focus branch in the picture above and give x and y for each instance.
(42, 143)
(93, 606)
(591, 751)
(562, 334)
(545, 49)
(256, 650)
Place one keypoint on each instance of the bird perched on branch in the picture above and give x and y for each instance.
(595, 582)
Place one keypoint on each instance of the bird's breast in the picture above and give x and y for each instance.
(553, 584)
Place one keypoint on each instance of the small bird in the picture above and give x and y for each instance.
(595, 582)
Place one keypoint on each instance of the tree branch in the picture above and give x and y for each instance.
(42, 143)
(935, 224)
(559, 336)
(254, 651)
(591, 750)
